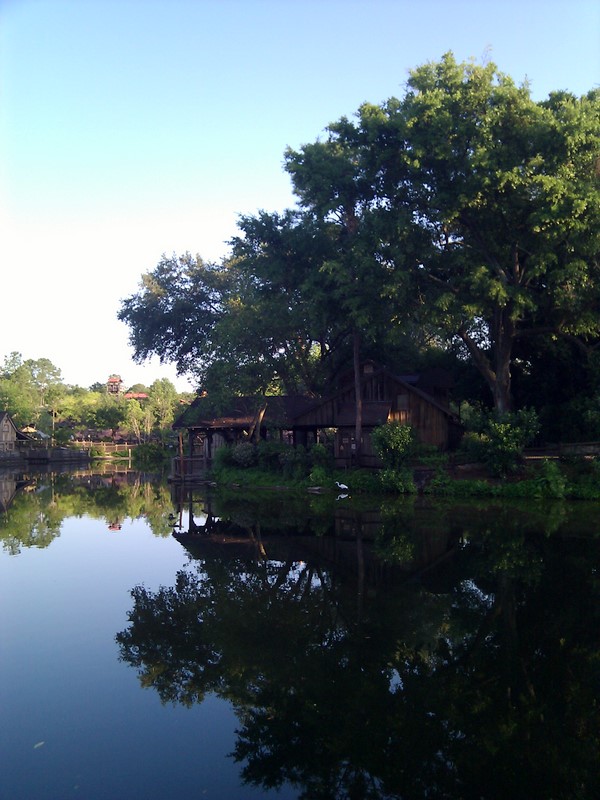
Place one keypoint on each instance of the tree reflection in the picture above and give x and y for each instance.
(474, 674)
(39, 504)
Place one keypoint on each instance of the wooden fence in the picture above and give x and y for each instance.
(106, 449)
(564, 449)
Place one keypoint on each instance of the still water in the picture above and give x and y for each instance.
(283, 648)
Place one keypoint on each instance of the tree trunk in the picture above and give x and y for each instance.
(498, 376)
(358, 398)
(504, 336)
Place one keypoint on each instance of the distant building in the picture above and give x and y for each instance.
(135, 396)
(8, 433)
(114, 385)
(10, 436)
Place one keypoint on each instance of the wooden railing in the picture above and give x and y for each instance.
(106, 448)
(564, 449)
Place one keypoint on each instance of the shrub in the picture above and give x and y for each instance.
(359, 480)
(394, 443)
(397, 480)
(318, 476)
(584, 482)
(442, 484)
(244, 454)
(269, 453)
(321, 456)
(550, 480)
(150, 456)
(294, 462)
(223, 458)
(498, 440)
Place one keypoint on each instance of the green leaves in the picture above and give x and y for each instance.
(463, 205)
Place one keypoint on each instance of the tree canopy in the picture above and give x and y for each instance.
(507, 191)
(33, 392)
(463, 217)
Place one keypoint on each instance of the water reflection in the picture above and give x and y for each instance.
(34, 505)
(390, 649)
(405, 650)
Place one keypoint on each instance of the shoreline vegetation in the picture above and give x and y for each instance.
(567, 477)
(491, 461)
(547, 480)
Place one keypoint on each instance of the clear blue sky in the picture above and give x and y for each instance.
(130, 128)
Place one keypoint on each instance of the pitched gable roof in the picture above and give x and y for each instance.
(342, 409)
(5, 416)
(241, 412)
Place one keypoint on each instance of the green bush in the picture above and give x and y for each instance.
(498, 440)
(294, 462)
(319, 476)
(269, 452)
(584, 480)
(222, 458)
(430, 456)
(550, 480)
(150, 456)
(358, 480)
(444, 486)
(244, 454)
(395, 444)
(397, 480)
(321, 456)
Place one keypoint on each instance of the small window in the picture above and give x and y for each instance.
(402, 402)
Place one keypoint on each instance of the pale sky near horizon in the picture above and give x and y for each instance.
(132, 128)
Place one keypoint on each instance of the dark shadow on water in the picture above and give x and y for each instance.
(371, 648)
(398, 649)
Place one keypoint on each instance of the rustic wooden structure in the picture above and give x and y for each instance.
(8, 489)
(10, 436)
(245, 419)
(385, 398)
(303, 420)
(114, 385)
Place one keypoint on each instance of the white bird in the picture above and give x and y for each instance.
(341, 486)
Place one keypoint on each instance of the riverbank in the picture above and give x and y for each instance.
(576, 478)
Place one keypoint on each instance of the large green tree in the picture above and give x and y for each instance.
(265, 320)
(174, 312)
(283, 297)
(24, 386)
(464, 209)
(506, 190)
(335, 182)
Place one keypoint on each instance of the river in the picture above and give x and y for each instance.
(158, 642)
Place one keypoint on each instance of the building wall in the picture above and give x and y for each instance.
(8, 436)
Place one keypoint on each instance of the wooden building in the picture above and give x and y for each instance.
(114, 385)
(385, 398)
(244, 419)
(304, 420)
(10, 436)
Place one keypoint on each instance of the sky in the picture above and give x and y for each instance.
(133, 128)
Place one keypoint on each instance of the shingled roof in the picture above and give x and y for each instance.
(241, 412)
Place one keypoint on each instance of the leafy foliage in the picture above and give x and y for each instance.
(498, 440)
(244, 454)
(174, 313)
(400, 481)
(395, 444)
(462, 218)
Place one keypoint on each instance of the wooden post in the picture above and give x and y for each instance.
(181, 454)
